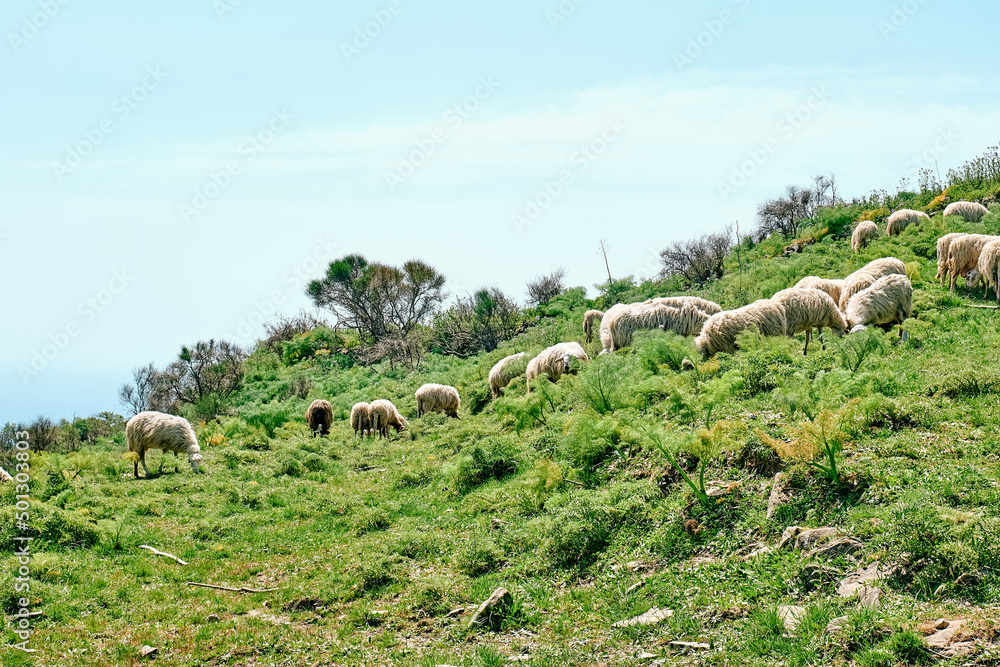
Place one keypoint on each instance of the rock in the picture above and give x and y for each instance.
(212, 618)
(791, 615)
(941, 624)
(645, 655)
(697, 646)
(814, 575)
(651, 617)
(869, 597)
(943, 638)
(778, 495)
(808, 539)
(497, 524)
(971, 578)
(788, 534)
(842, 546)
(859, 579)
(147, 651)
(636, 585)
(759, 551)
(836, 625)
(455, 612)
(493, 609)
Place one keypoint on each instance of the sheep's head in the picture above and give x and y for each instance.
(972, 278)
(565, 361)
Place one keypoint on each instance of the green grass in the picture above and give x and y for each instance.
(561, 498)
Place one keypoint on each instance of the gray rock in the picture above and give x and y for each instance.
(791, 615)
(858, 579)
(651, 617)
(778, 495)
(869, 597)
(147, 651)
(493, 609)
(842, 546)
(808, 539)
(212, 618)
(814, 575)
(836, 625)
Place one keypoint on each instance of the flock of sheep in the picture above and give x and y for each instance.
(878, 294)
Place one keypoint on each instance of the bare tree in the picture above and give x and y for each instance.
(697, 260)
(477, 323)
(544, 288)
(136, 397)
(284, 328)
(603, 251)
(41, 434)
(207, 368)
(785, 214)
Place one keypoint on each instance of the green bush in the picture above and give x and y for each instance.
(479, 464)
(603, 383)
(50, 527)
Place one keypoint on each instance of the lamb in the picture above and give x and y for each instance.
(622, 324)
(383, 415)
(831, 287)
(864, 233)
(888, 300)
(943, 244)
(504, 371)
(970, 211)
(963, 255)
(704, 305)
(589, 318)
(319, 416)
(720, 330)
(554, 361)
(438, 398)
(806, 308)
(868, 274)
(157, 430)
(361, 419)
(987, 267)
(902, 219)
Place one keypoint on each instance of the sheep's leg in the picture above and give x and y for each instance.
(177, 457)
(163, 456)
(805, 350)
(142, 460)
(822, 340)
(135, 468)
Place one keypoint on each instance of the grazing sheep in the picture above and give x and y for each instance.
(504, 371)
(589, 318)
(622, 324)
(963, 255)
(970, 211)
(704, 305)
(902, 219)
(888, 300)
(808, 307)
(987, 267)
(5, 476)
(864, 233)
(720, 330)
(831, 287)
(157, 430)
(383, 415)
(554, 362)
(868, 274)
(943, 244)
(361, 420)
(438, 398)
(319, 416)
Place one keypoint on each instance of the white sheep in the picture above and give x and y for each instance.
(504, 371)
(319, 416)
(888, 300)
(168, 433)
(589, 318)
(385, 415)
(902, 219)
(864, 233)
(987, 268)
(438, 398)
(963, 256)
(361, 419)
(806, 308)
(970, 211)
(554, 361)
(720, 330)
(5, 476)
(622, 324)
(868, 274)
(832, 287)
(704, 305)
(943, 245)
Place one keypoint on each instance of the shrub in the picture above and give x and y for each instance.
(603, 381)
(589, 441)
(544, 288)
(52, 528)
(656, 350)
(477, 465)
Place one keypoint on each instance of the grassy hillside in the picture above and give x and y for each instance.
(565, 498)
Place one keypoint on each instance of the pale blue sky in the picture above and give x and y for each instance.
(503, 98)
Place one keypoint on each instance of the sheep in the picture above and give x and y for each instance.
(831, 287)
(319, 416)
(383, 415)
(504, 371)
(987, 267)
(622, 324)
(438, 398)
(963, 255)
(807, 307)
(5, 476)
(864, 233)
(361, 419)
(704, 305)
(888, 300)
(720, 330)
(554, 361)
(970, 211)
(943, 244)
(868, 274)
(589, 318)
(157, 430)
(902, 219)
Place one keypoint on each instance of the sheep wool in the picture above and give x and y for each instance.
(888, 300)
(864, 233)
(721, 330)
(612, 313)
(943, 245)
(5, 476)
(902, 219)
(807, 307)
(506, 370)
(831, 287)
(158, 430)
(385, 415)
(868, 274)
(970, 211)
(685, 320)
(438, 398)
(963, 255)
(554, 362)
(319, 416)
(361, 419)
(589, 318)
(988, 265)
(704, 305)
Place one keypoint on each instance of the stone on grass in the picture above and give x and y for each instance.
(651, 617)
(492, 611)
(791, 615)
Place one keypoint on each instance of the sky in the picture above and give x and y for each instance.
(175, 172)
